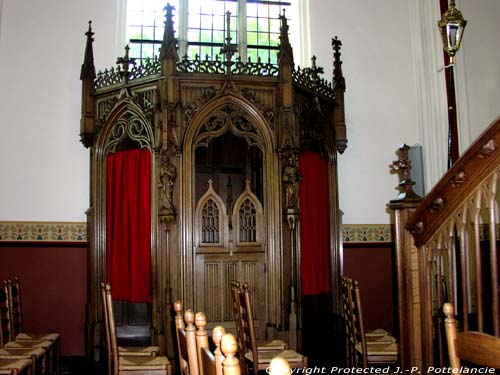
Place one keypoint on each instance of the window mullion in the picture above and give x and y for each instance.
(183, 26)
(242, 29)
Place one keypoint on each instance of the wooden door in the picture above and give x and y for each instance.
(229, 236)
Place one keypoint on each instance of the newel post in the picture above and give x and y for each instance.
(407, 267)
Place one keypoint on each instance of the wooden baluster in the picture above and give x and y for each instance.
(217, 334)
(493, 253)
(229, 346)
(179, 325)
(477, 257)
(201, 336)
(279, 366)
(191, 342)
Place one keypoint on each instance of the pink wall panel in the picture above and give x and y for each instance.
(372, 266)
(54, 288)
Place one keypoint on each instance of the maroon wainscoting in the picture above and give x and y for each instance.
(372, 265)
(54, 288)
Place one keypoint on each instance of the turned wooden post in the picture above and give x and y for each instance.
(217, 334)
(191, 342)
(408, 269)
(229, 346)
(201, 336)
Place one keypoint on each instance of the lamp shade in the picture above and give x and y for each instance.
(452, 26)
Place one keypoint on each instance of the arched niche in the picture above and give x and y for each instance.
(127, 128)
(231, 121)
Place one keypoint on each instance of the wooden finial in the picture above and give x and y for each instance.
(217, 334)
(231, 364)
(88, 68)
(279, 366)
(178, 307)
(125, 63)
(191, 342)
(169, 44)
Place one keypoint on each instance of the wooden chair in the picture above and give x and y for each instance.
(131, 365)
(379, 351)
(130, 351)
(261, 345)
(260, 360)
(17, 329)
(23, 350)
(17, 366)
(476, 348)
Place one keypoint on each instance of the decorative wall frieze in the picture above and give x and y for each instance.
(45, 231)
(35, 231)
(367, 233)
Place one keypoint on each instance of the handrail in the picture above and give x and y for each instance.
(476, 164)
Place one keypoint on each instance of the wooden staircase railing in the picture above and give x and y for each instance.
(454, 256)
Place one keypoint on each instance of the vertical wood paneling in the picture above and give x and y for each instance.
(213, 296)
(230, 274)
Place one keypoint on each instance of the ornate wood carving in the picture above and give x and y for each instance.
(176, 107)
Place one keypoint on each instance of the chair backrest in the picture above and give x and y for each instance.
(353, 317)
(4, 319)
(235, 291)
(248, 330)
(357, 319)
(109, 354)
(6, 313)
(16, 315)
(112, 331)
(346, 315)
(474, 347)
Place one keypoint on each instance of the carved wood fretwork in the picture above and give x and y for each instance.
(231, 118)
(132, 126)
(226, 120)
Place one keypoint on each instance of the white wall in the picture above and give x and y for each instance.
(382, 107)
(380, 97)
(44, 167)
(478, 62)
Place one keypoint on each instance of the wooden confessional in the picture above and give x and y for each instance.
(224, 138)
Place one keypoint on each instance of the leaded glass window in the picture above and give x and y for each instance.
(201, 27)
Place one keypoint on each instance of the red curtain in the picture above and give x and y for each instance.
(314, 224)
(128, 225)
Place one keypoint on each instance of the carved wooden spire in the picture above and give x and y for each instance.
(228, 49)
(169, 44)
(88, 68)
(285, 46)
(125, 62)
(338, 83)
(338, 76)
(87, 76)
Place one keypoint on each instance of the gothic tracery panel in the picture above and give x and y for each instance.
(211, 220)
